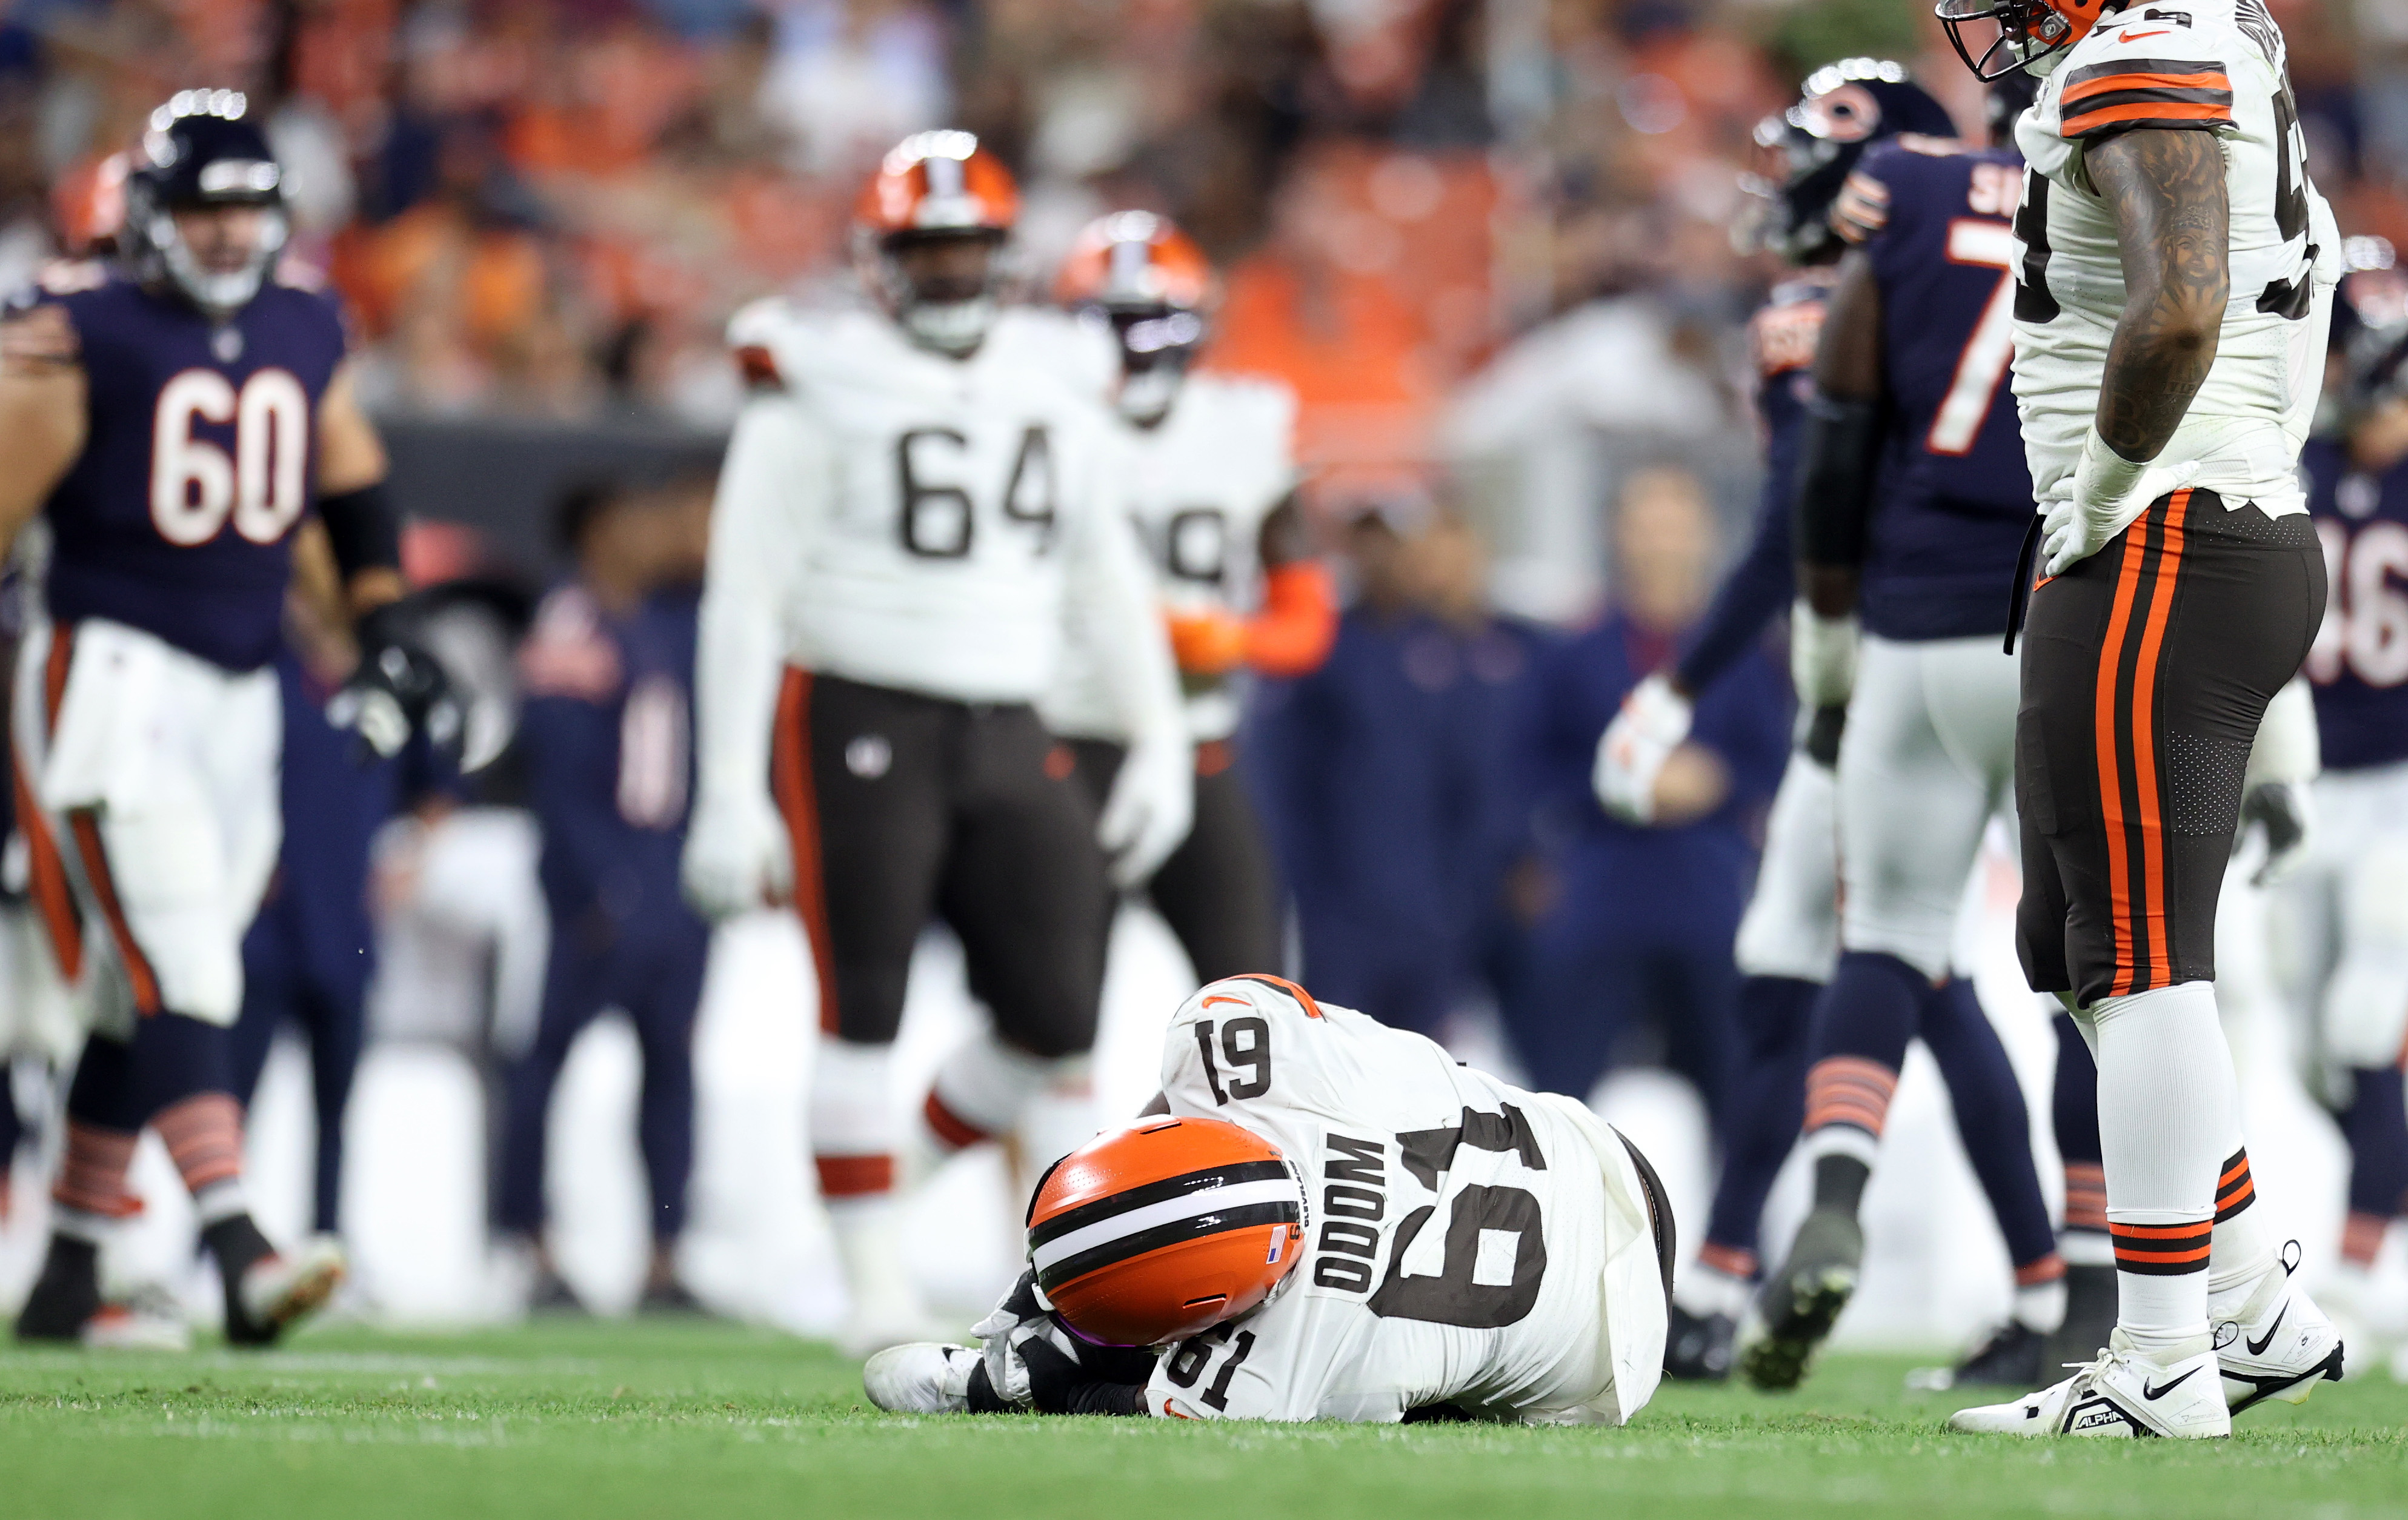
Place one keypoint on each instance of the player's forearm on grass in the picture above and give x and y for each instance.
(1838, 452)
(2173, 224)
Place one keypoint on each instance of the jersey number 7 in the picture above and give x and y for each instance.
(1991, 345)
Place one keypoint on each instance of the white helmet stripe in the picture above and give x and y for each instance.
(1204, 1200)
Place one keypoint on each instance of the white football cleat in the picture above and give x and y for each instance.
(924, 1378)
(146, 1319)
(282, 1290)
(2273, 1341)
(2121, 1393)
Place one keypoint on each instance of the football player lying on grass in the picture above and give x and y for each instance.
(1324, 1218)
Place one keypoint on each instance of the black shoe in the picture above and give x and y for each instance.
(2010, 1357)
(671, 1300)
(66, 1296)
(1802, 1301)
(2089, 1316)
(552, 1295)
(1698, 1347)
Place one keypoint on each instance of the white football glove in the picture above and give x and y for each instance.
(1020, 1317)
(736, 856)
(2109, 492)
(1652, 723)
(1823, 656)
(1152, 805)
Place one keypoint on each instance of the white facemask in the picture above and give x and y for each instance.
(950, 327)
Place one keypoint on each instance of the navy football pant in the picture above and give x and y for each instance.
(1768, 1103)
(278, 990)
(1595, 987)
(656, 979)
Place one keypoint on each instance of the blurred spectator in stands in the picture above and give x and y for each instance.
(1640, 932)
(1375, 782)
(25, 238)
(605, 737)
(851, 78)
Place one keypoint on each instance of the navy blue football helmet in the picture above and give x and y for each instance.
(1846, 108)
(202, 150)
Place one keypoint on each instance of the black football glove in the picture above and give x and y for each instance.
(398, 690)
(1059, 1384)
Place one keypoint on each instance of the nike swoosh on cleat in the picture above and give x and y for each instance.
(2153, 1393)
(2258, 1348)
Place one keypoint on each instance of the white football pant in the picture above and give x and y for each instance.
(1928, 756)
(1791, 928)
(2347, 910)
(159, 777)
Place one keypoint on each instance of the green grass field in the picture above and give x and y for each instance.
(605, 1420)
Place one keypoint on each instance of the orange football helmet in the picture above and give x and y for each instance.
(1149, 281)
(1162, 1230)
(928, 229)
(88, 204)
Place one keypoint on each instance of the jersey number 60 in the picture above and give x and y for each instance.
(195, 487)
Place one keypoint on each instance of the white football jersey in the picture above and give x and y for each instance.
(1467, 1242)
(943, 510)
(1200, 483)
(2214, 64)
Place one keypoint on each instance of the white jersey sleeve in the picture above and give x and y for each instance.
(770, 503)
(1468, 1243)
(2213, 65)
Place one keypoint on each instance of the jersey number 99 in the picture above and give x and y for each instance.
(195, 487)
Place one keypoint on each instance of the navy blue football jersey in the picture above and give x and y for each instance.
(1761, 583)
(2358, 665)
(608, 736)
(1954, 497)
(201, 457)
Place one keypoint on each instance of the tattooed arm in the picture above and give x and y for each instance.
(2166, 190)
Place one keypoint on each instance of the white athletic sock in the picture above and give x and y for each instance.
(1705, 1291)
(852, 1122)
(2244, 1250)
(1839, 1140)
(2169, 1105)
(869, 1233)
(1061, 1117)
(220, 1200)
(981, 1089)
(2040, 1306)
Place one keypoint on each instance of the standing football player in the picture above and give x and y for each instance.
(1788, 941)
(2175, 274)
(1327, 1219)
(1910, 510)
(2351, 893)
(912, 506)
(1213, 492)
(174, 420)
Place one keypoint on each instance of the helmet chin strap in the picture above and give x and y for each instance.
(954, 328)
